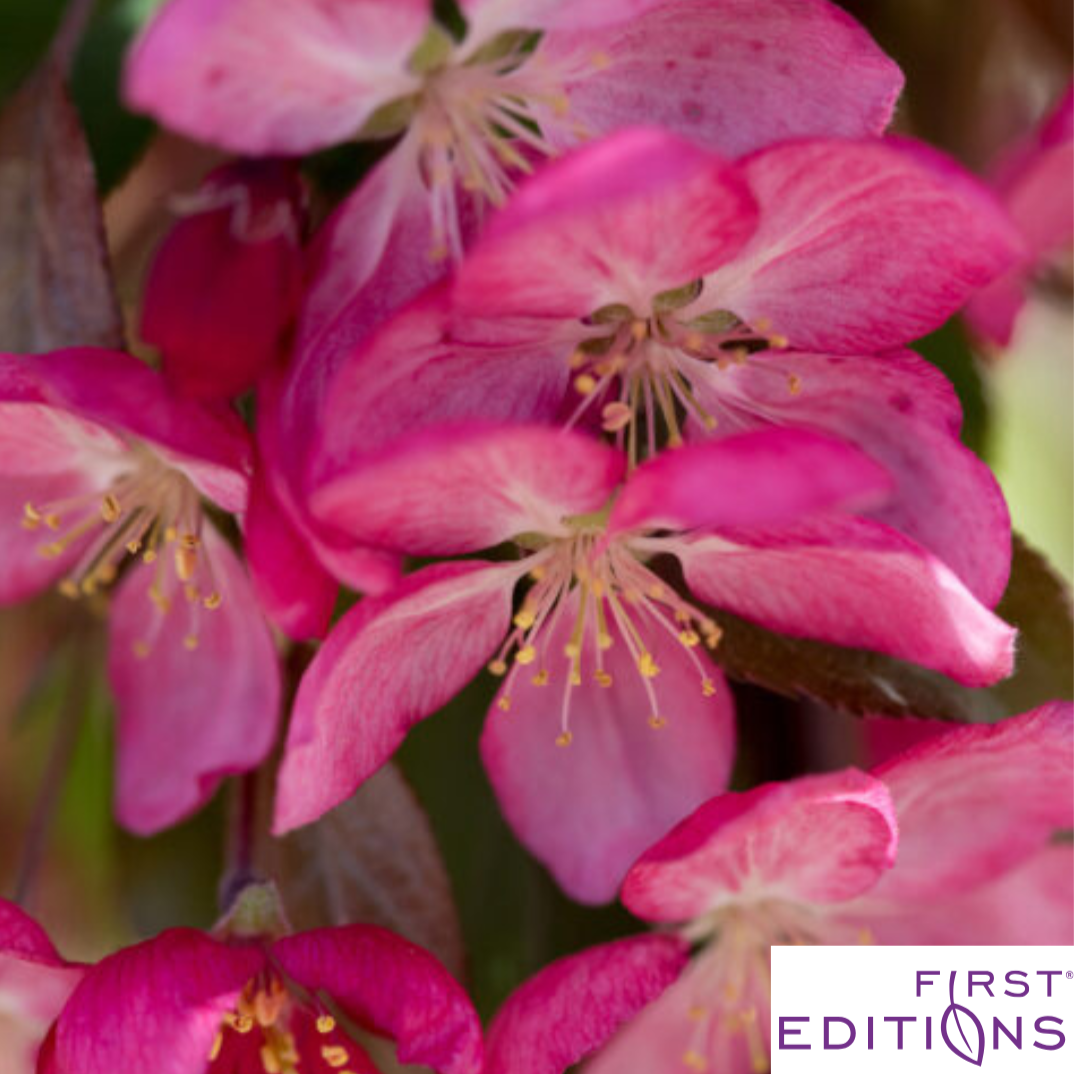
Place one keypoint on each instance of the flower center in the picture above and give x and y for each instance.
(643, 371)
(609, 598)
(260, 1032)
(149, 510)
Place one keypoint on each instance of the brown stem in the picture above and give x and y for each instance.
(69, 35)
(242, 829)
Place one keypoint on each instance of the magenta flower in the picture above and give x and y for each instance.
(572, 1007)
(684, 297)
(948, 843)
(247, 999)
(225, 285)
(477, 113)
(34, 985)
(1034, 183)
(602, 655)
(102, 481)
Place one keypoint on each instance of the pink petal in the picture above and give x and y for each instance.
(571, 1008)
(592, 229)
(392, 988)
(764, 478)
(487, 18)
(586, 811)
(188, 718)
(822, 839)
(155, 1006)
(464, 488)
(855, 583)
(861, 245)
(34, 981)
(297, 594)
(1031, 905)
(225, 284)
(731, 74)
(976, 801)
(387, 664)
(301, 76)
(902, 412)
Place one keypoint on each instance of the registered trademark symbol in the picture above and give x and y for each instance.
(1070, 974)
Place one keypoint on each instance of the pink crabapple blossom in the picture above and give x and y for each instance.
(650, 287)
(947, 842)
(103, 479)
(252, 999)
(603, 656)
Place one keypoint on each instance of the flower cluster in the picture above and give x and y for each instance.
(615, 339)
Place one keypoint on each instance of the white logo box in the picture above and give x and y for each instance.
(1026, 1024)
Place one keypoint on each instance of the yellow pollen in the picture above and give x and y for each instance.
(150, 556)
(498, 667)
(170, 534)
(325, 1023)
(572, 649)
(218, 1043)
(603, 679)
(186, 562)
(525, 619)
(526, 655)
(605, 641)
(541, 678)
(575, 677)
(708, 687)
(694, 341)
(31, 516)
(639, 329)
(241, 1023)
(212, 601)
(690, 638)
(69, 588)
(564, 739)
(270, 1060)
(537, 573)
(584, 384)
(53, 521)
(779, 342)
(134, 547)
(657, 722)
(190, 642)
(794, 384)
(159, 599)
(648, 666)
(695, 1061)
(335, 1056)
(656, 591)
(504, 703)
(110, 508)
(575, 361)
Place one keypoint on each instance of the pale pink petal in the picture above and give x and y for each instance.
(487, 18)
(295, 591)
(587, 810)
(155, 1006)
(464, 488)
(572, 1007)
(817, 839)
(856, 583)
(593, 229)
(903, 412)
(861, 245)
(34, 981)
(389, 663)
(733, 75)
(1032, 905)
(392, 988)
(974, 802)
(764, 478)
(188, 717)
(297, 76)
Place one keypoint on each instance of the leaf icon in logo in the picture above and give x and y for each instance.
(962, 1017)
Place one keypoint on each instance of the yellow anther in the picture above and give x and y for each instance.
(572, 649)
(708, 687)
(213, 601)
(134, 547)
(600, 60)
(584, 384)
(693, 341)
(189, 540)
(191, 592)
(242, 1023)
(689, 638)
(186, 562)
(526, 655)
(53, 521)
(159, 599)
(537, 573)
(866, 938)
(325, 1023)
(639, 329)
(504, 703)
(603, 678)
(564, 739)
(150, 556)
(657, 722)
(218, 1043)
(110, 508)
(740, 356)
(794, 384)
(69, 588)
(561, 104)
(270, 1060)
(335, 1055)
(695, 1061)
(648, 666)
(190, 642)
(268, 1005)
(656, 591)
(541, 678)
(577, 359)
(779, 342)
(605, 641)
(498, 667)
(575, 677)
(171, 534)
(698, 1013)
(140, 649)
(615, 416)
(762, 324)
(525, 618)
(31, 517)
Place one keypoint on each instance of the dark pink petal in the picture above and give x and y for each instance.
(572, 1007)
(821, 839)
(856, 583)
(392, 988)
(294, 589)
(587, 810)
(861, 245)
(155, 1006)
(126, 397)
(225, 284)
(976, 801)
(903, 412)
(463, 488)
(764, 478)
(387, 664)
(594, 228)
(1031, 905)
(731, 74)
(188, 717)
(301, 76)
